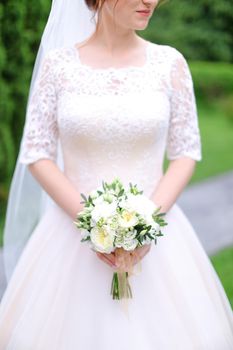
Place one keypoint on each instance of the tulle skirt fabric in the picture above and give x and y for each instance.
(59, 295)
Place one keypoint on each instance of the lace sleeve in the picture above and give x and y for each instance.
(40, 131)
(183, 133)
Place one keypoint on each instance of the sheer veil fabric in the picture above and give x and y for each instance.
(69, 21)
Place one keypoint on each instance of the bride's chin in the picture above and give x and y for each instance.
(140, 25)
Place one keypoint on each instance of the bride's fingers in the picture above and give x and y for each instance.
(119, 261)
(144, 251)
(110, 257)
(139, 253)
(103, 258)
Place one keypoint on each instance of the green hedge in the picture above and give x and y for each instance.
(212, 79)
(201, 29)
(22, 24)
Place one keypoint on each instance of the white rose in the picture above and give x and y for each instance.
(103, 239)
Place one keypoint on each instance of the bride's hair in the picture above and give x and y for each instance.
(94, 4)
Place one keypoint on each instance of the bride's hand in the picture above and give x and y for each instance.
(109, 259)
(130, 258)
(140, 252)
(134, 256)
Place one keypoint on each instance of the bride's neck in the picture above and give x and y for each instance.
(114, 38)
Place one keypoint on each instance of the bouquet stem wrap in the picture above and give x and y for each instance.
(121, 288)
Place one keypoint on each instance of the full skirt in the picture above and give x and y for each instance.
(58, 297)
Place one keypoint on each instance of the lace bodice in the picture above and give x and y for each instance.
(112, 121)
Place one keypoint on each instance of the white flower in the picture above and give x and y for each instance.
(103, 210)
(112, 221)
(142, 205)
(103, 238)
(84, 233)
(126, 239)
(127, 218)
(98, 200)
(139, 203)
(94, 194)
(108, 197)
(146, 240)
(130, 245)
(150, 221)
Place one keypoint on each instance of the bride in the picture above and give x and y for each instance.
(106, 103)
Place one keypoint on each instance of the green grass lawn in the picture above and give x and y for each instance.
(223, 264)
(217, 142)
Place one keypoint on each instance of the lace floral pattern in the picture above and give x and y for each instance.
(183, 135)
(112, 119)
(41, 131)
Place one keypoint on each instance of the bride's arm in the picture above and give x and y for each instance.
(40, 143)
(183, 140)
(40, 140)
(56, 184)
(173, 182)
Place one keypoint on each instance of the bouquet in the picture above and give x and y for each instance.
(118, 219)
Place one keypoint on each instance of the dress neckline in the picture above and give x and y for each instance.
(111, 68)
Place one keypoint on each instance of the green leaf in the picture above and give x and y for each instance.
(86, 239)
(159, 234)
(84, 197)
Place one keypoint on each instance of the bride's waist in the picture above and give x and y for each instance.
(86, 181)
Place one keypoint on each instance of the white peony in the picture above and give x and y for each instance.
(103, 238)
(127, 218)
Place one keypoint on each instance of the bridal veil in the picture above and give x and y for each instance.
(69, 21)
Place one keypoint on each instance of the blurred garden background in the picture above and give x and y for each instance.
(202, 31)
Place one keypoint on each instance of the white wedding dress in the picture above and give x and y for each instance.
(113, 122)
